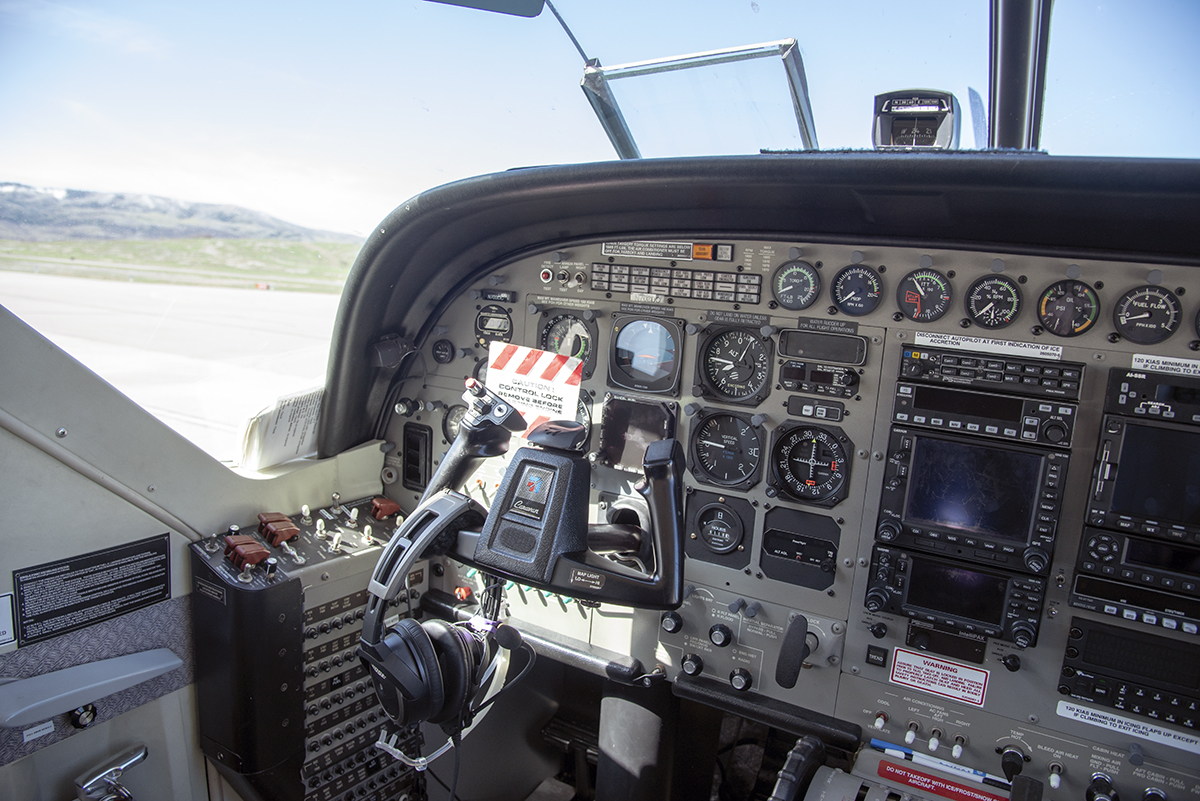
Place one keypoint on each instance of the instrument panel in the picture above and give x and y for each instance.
(972, 475)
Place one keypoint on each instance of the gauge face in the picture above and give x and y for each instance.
(1068, 308)
(443, 351)
(857, 289)
(493, 322)
(1147, 314)
(924, 295)
(810, 463)
(796, 285)
(568, 335)
(736, 364)
(645, 354)
(719, 527)
(994, 301)
(453, 421)
(727, 450)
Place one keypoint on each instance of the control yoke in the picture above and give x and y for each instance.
(537, 531)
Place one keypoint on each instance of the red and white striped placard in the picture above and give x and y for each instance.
(542, 385)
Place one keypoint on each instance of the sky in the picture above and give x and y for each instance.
(331, 115)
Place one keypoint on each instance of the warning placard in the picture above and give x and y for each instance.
(542, 385)
(940, 677)
(62, 596)
(933, 784)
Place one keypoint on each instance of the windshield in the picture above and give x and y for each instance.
(305, 124)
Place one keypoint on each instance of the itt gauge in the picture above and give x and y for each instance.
(924, 295)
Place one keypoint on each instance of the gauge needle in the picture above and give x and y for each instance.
(1137, 317)
(984, 310)
(720, 445)
(920, 290)
(852, 294)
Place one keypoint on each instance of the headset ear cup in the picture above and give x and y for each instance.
(418, 642)
(455, 649)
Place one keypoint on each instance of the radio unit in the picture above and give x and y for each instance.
(978, 501)
(993, 372)
(951, 594)
(1145, 478)
(1138, 393)
(818, 379)
(1136, 672)
(1039, 422)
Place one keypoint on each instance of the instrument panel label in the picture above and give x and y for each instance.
(1164, 364)
(1028, 350)
(827, 326)
(951, 680)
(69, 594)
(679, 251)
(1137, 728)
(8, 632)
(933, 784)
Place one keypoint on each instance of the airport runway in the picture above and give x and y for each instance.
(202, 359)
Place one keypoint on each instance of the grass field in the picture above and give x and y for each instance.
(246, 263)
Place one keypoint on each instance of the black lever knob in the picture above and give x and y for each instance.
(1012, 762)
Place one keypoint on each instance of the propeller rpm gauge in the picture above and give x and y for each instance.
(994, 301)
(857, 290)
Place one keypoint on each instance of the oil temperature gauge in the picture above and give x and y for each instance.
(924, 295)
(994, 301)
(796, 285)
(1068, 308)
(1147, 314)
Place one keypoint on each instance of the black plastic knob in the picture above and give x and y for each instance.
(671, 622)
(887, 531)
(1054, 432)
(878, 631)
(740, 679)
(1023, 633)
(720, 635)
(876, 599)
(1012, 662)
(1012, 762)
(1036, 559)
(692, 664)
(921, 641)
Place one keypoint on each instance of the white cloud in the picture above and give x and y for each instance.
(87, 24)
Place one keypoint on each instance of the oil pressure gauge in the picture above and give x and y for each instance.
(1147, 314)
(1068, 308)
(924, 295)
(994, 301)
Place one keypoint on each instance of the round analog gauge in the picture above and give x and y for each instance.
(719, 527)
(480, 371)
(453, 421)
(736, 364)
(726, 450)
(493, 322)
(796, 285)
(443, 351)
(568, 335)
(1068, 308)
(1147, 314)
(924, 295)
(857, 289)
(994, 301)
(645, 354)
(810, 463)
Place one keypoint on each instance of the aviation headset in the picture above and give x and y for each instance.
(432, 670)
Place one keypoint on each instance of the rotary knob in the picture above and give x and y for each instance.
(876, 599)
(720, 635)
(671, 622)
(692, 664)
(1054, 432)
(1101, 789)
(887, 531)
(1023, 633)
(1036, 559)
(741, 679)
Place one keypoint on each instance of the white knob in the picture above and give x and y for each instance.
(354, 515)
(956, 751)
(336, 543)
(305, 511)
(1055, 781)
(910, 736)
(880, 720)
(934, 743)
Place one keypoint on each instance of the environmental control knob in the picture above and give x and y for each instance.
(692, 664)
(910, 736)
(740, 679)
(1101, 789)
(935, 740)
(671, 622)
(959, 742)
(881, 720)
(720, 635)
(1055, 775)
(1012, 762)
(1154, 794)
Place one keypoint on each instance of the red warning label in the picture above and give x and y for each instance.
(947, 679)
(932, 784)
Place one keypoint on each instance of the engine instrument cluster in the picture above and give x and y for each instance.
(984, 510)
